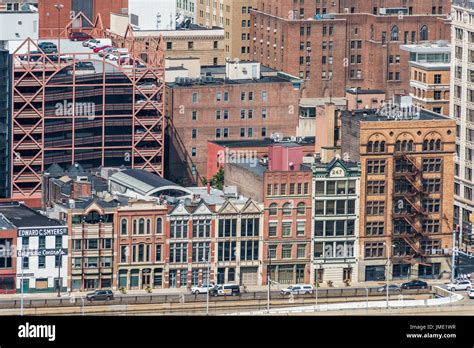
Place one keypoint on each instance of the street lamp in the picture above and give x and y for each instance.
(268, 278)
(21, 283)
(59, 7)
(208, 279)
(316, 288)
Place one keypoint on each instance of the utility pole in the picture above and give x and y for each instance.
(316, 290)
(60, 256)
(21, 282)
(268, 279)
(453, 256)
(208, 279)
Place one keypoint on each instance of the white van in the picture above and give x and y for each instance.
(99, 43)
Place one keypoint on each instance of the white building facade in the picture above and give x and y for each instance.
(462, 110)
(336, 193)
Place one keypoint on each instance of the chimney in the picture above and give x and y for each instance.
(208, 188)
(329, 153)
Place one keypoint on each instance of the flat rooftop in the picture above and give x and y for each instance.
(20, 216)
(262, 142)
(360, 91)
(375, 115)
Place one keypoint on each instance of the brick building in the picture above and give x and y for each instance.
(234, 17)
(430, 77)
(345, 45)
(220, 152)
(233, 102)
(406, 197)
(285, 187)
(8, 258)
(53, 21)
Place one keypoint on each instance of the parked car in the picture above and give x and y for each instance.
(86, 42)
(459, 285)
(34, 56)
(146, 85)
(470, 293)
(298, 289)
(202, 289)
(100, 48)
(79, 36)
(391, 288)
(415, 284)
(100, 295)
(107, 51)
(48, 47)
(225, 290)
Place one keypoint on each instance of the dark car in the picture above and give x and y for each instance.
(100, 295)
(79, 36)
(48, 47)
(415, 284)
(33, 57)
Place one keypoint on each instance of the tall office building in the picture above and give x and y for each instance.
(234, 17)
(462, 110)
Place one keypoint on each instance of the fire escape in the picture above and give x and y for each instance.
(408, 212)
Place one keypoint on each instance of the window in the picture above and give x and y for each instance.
(249, 227)
(159, 226)
(124, 228)
(42, 242)
(178, 252)
(300, 228)
(374, 249)
(179, 229)
(202, 228)
(431, 226)
(273, 209)
(376, 187)
(374, 228)
(272, 229)
(432, 165)
(41, 261)
(249, 250)
(432, 185)
(394, 33)
(286, 251)
(201, 251)
(301, 251)
(158, 252)
(424, 33)
(375, 208)
(286, 209)
(431, 205)
(301, 208)
(227, 228)
(376, 166)
(194, 97)
(123, 253)
(286, 229)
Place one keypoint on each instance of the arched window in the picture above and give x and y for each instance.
(141, 226)
(301, 208)
(135, 230)
(273, 209)
(286, 209)
(159, 225)
(148, 226)
(141, 253)
(382, 146)
(424, 33)
(410, 146)
(394, 35)
(432, 145)
(370, 147)
(123, 228)
(398, 146)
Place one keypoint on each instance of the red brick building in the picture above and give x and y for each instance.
(285, 190)
(345, 45)
(225, 107)
(50, 18)
(287, 221)
(140, 244)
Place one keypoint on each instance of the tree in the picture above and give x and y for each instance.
(217, 181)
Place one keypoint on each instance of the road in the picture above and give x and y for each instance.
(230, 305)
